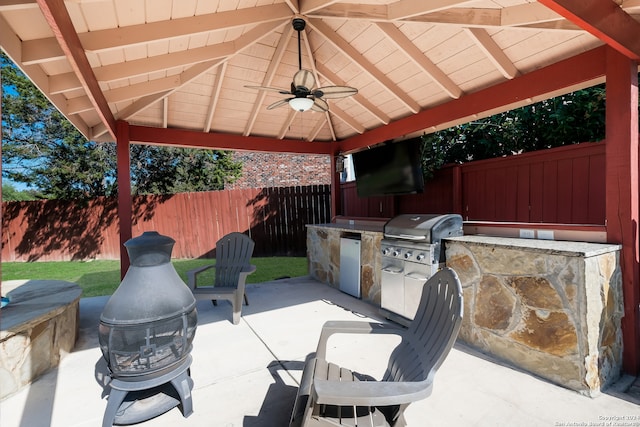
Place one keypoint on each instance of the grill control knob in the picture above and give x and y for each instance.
(408, 255)
(396, 253)
(385, 251)
(420, 257)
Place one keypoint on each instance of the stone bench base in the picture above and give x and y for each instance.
(38, 327)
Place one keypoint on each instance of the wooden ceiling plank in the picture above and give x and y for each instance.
(66, 82)
(268, 78)
(466, 17)
(308, 6)
(495, 54)
(565, 75)
(316, 129)
(369, 12)
(215, 95)
(56, 15)
(41, 50)
(359, 98)
(527, 14)
(364, 64)
(163, 30)
(293, 5)
(79, 105)
(605, 20)
(155, 31)
(418, 58)
(127, 93)
(404, 9)
(139, 67)
(287, 123)
(17, 5)
(193, 72)
(347, 119)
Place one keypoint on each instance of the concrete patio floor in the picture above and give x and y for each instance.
(246, 375)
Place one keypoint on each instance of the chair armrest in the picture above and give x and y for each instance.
(248, 270)
(352, 327)
(191, 275)
(370, 393)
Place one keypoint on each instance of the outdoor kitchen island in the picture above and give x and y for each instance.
(551, 308)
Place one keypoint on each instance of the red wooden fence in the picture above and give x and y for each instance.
(561, 185)
(275, 218)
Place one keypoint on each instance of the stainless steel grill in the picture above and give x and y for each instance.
(412, 251)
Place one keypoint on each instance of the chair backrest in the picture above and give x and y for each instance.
(233, 254)
(432, 332)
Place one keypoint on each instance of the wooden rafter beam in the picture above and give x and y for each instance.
(492, 51)
(527, 14)
(366, 66)
(42, 50)
(57, 16)
(139, 67)
(215, 96)
(11, 44)
(286, 125)
(268, 77)
(605, 20)
(17, 5)
(220, 141)
(404, 9)
(346, 118)
(190, 74)
(358, 97)
(314, 70)
(308, 6)
(420, 59)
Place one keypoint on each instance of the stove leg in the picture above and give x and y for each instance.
(113, 404)
(182, 383)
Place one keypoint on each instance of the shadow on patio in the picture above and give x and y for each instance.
(246, 375)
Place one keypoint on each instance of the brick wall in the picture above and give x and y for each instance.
(282, 170)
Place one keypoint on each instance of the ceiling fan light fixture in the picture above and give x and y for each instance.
(301, 104)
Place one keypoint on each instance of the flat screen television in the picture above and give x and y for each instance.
(391, 168)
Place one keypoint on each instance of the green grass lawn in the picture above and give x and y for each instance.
(103, 277)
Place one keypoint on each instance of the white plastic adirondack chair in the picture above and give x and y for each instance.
(330, 395)
(233, 256)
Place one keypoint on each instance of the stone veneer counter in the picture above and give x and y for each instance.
(552, 308)
(323, 255)
(37, 328)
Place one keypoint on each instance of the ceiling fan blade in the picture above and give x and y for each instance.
(320, 105)
(332, 92)
(279, 103)
(273, 89)
(304, 78)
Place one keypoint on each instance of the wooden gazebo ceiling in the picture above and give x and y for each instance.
(184, 64)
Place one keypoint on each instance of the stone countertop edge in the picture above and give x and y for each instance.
(355, 228)
(35, 302)
(556, 247)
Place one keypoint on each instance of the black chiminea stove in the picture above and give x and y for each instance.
(146, 333)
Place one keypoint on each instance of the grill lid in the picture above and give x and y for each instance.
(426, 228)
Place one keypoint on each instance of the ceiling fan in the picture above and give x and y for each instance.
(303, 95)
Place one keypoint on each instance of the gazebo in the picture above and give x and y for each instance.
(175, 72)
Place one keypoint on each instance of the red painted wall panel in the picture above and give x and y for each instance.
(560, 185)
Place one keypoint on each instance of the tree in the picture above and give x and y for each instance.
(11, 193)
(47, 153)
(569, 119)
